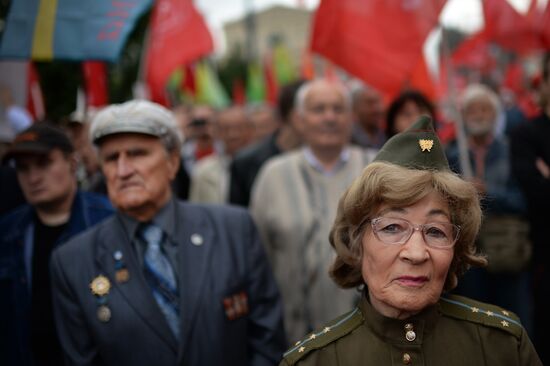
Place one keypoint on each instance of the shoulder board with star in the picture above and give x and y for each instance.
(330, 333)
(482, 313)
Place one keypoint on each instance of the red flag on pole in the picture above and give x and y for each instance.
(271, 86)
(238, 93)
(474, 52)
(95, 83)
(545, 29)
(375, 40)
(35, 100)
(178, 35)
(508, 28)
(422, 80)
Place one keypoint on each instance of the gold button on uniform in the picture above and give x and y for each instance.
(408, 327)
(406, 359)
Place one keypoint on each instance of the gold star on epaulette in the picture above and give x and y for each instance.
(505, 313)
(475, 310)
(504, 323)
(301, 349)
(326, 330)
(312, 336)
(489, 313)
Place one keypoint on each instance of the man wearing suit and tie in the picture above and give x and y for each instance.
(162, 282)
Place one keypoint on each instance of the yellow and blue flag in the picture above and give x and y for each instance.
(43, 30)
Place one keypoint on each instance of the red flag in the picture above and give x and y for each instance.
(35, 100)
(513, 78)
(271, 87)
(238, 92)
(95, 83)
(307, 70)
(375, 40)
(510, 29)
(422, 80)
(544, 28)
(178, 35)
(188, 82)
(474, 53)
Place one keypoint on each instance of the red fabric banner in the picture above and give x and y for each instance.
(510, 29)
(375, 40)
(95, 83)
(238, 92)
(35, 99)
(271, 85)
(178, 35)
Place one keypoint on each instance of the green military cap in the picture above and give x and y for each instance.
(418, 147)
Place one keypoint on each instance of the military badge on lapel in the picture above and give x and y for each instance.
(100, 287)
(236, 306)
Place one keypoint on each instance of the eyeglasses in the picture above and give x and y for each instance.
(398, 231)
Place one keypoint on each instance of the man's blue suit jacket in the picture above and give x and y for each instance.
(16, 231)
(230, 260)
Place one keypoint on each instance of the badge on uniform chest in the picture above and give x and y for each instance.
(236, 306)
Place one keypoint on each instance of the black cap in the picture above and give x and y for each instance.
(418, 147)
(40, 138)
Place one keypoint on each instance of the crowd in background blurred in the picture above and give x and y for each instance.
(289, 164)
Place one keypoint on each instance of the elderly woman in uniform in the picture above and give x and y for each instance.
(404, 232)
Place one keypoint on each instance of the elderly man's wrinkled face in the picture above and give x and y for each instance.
(404, 279)
(138, 171)
(480, 116)
(326, 120)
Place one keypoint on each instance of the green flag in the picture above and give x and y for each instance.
(209, 89)
(255, 84)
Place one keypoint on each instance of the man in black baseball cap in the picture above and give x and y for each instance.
(55, 211)
(40, 138)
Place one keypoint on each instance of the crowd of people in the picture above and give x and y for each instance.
(139, 235)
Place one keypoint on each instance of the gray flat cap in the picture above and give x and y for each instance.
(135, 116)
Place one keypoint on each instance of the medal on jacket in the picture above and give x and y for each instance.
(121, 271)
(103, 313)
(100, 287)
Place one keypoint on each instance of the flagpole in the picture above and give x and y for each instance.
(456, 116)
(250, 29)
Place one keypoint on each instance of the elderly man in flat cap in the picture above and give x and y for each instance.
(162, 282)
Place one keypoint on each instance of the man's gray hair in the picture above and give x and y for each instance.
(304, 90)
(474, 92)
(137, 116)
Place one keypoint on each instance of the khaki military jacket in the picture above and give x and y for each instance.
(455, 331)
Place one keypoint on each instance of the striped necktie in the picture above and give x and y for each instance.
(160, 276)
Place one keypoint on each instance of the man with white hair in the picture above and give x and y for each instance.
(294, 201)
(503, 203)
(162, 282)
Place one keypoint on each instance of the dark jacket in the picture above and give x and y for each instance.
(245, 167)
(228, 263)
(16, 230)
